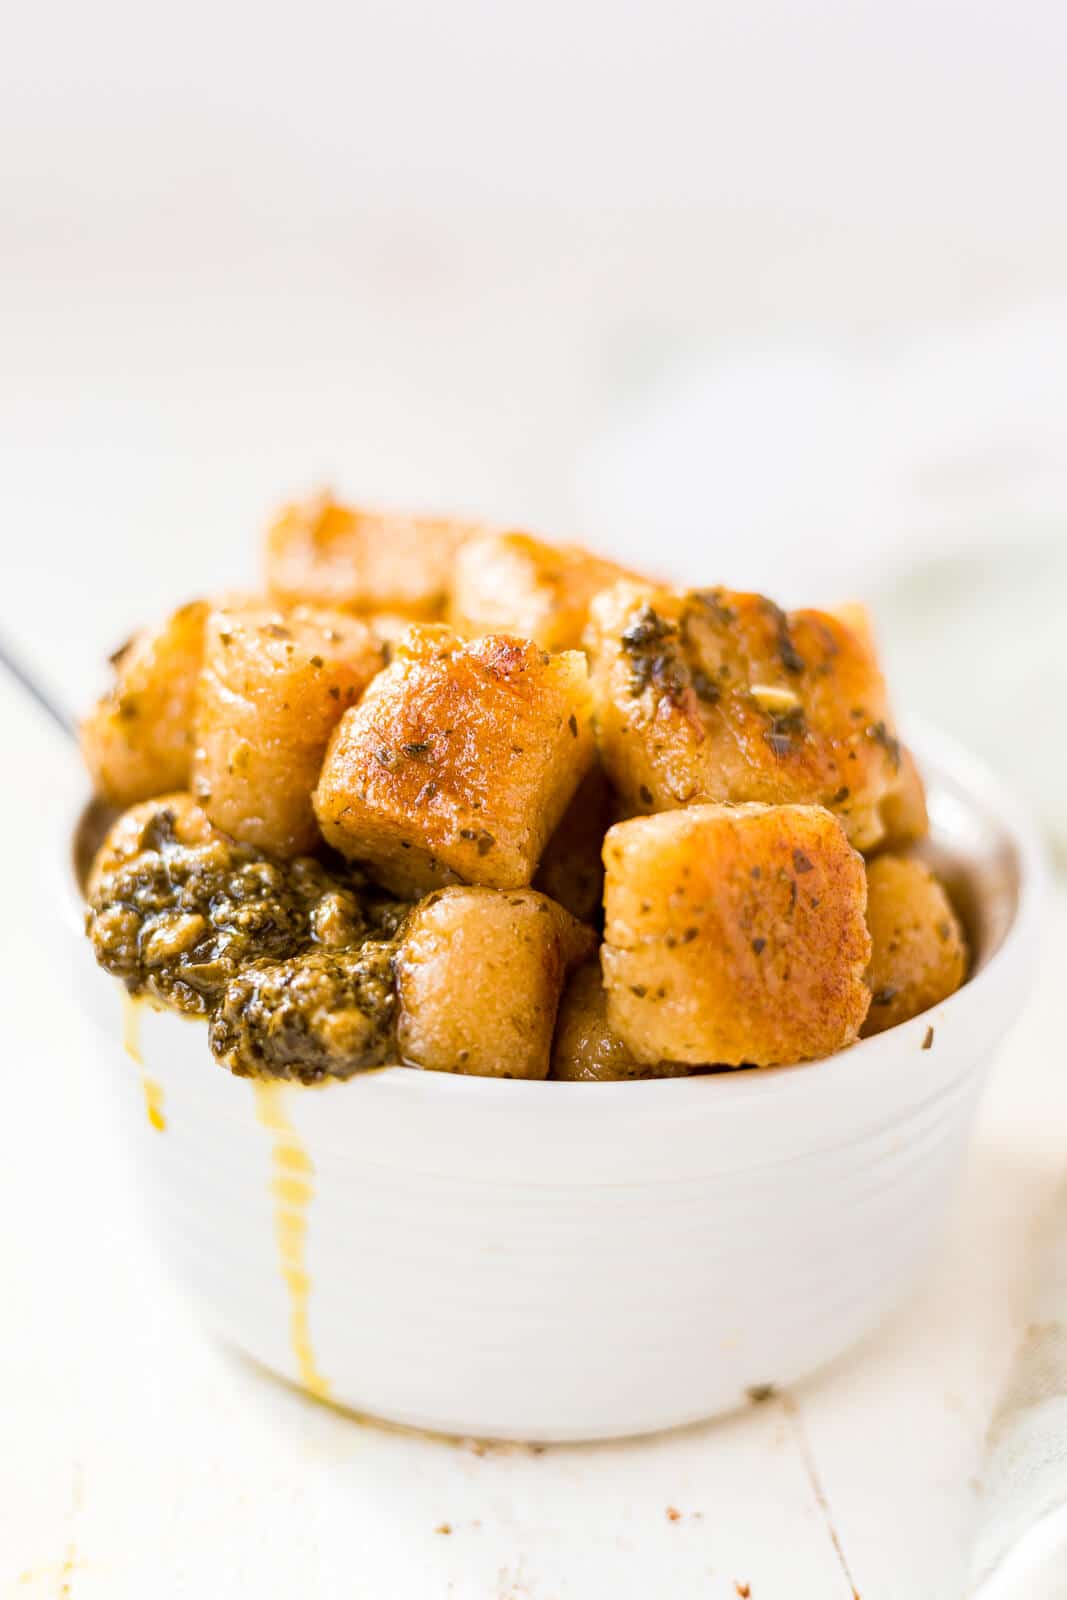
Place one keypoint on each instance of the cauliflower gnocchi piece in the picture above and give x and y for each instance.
(585, 1050)
(321, 552)
(389, 628)
(137, 741)
(734, 935)
(458, 763)
(718, 696)
(919, 950)
(571, 869)
(272, 688)
(904, 815)
(479, 975)
(512, 583)
(903, 811)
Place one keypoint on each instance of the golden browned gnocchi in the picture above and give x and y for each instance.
(138, 740)
(507, 953)
(585, 1049)
(714, 695)
(373, 818)
(734, 935)
(571, 869)
(918, 948)
(512, 583)
(320, 552)
(458, 763)
(904, 815)
(903, 809)
(272, 687)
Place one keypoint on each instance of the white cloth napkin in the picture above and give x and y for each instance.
(1021, 1548)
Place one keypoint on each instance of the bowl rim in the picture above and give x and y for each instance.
(940, 753)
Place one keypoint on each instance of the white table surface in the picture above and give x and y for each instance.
(141, 1459)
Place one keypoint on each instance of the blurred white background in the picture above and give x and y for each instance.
(778, 290)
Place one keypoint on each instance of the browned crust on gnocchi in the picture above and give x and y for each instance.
(137, 741)
(918, 947)
(734, 935)
(458, 763)
(322, 552)
(585, 1049)
(514, 583)
(718, 696)
(273, 687)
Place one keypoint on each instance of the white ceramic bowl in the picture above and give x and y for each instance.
(550, 1261)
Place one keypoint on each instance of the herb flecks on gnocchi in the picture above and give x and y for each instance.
(734, 934)
(458, 762)
(507, 952)
(137, 741)
(714, 695)
(272, 688)
(919, 950)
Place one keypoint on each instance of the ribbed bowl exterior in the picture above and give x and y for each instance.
(578, 1261)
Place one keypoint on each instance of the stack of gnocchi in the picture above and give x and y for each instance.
(623, 830)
